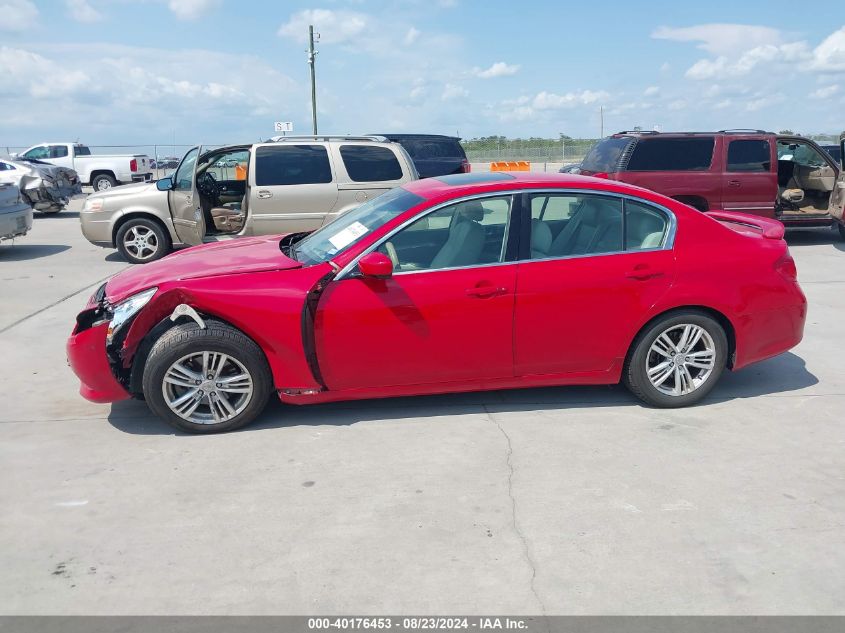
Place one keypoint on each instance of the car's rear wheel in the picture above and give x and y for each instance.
(206, 380)
(677, 360)
(102, 182)
(841, 228)
(140, 241)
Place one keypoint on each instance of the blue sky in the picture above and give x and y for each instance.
(146, 71)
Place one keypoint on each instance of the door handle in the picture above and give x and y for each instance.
(263, 193)
(643, 273)
(484, 292)
(734, 183)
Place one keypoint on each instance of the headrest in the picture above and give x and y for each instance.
(471, 210)
(541, 236)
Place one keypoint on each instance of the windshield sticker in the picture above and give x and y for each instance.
(348, 235)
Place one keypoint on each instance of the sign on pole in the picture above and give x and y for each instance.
(283, 126)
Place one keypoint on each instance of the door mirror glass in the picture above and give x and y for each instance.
(164, 184)
(376, 265)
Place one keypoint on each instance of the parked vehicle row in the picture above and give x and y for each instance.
(15, 213)
(292, 185)
(45, 187)
(457, 283)
(785, 177)
(101, 171)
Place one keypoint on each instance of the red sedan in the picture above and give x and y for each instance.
(459, 283)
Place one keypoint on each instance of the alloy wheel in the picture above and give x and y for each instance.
(681, 359)
(141, 242)
(207, 387)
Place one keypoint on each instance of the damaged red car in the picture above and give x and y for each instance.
(466, 282)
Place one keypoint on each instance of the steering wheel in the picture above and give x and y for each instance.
(207, 185)
(392, 254)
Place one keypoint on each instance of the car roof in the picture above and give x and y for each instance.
(432, 137)
(457, 185)
(654, 134)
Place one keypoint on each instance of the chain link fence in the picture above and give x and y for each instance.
(543, 154)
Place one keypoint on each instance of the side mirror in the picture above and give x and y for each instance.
(164, 184)
(375, 264)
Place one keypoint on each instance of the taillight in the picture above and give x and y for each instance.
(786, 267)
(465, 166)
(133, 165)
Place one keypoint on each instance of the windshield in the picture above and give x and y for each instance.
(604, 156)
(349, 228)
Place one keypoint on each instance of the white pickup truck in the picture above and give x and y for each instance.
(101, 171)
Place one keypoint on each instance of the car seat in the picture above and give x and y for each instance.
(595, 228)
(541, 239)
(466, 238)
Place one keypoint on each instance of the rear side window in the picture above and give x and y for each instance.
(58, 151)
(365, 163)
(292, 165)
(672, 154)
(749, 155)
(82, 150)
(605, 156)
(645, 226)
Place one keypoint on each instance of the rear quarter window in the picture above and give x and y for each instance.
(606, 155)
(672, 154)
(292, 165)
(433, 148)
(365, 163)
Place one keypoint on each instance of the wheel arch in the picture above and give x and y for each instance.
(99, 171)
(720, 317)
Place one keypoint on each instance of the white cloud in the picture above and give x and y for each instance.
(334, 26)
(411, 36)
(499, 69)
(17, 15)
(651, 91)
(825, 93)
(192, 9)
(82, 11)
(677, 104)
(550, 101)
(721, 39)
(724, 66)
(829, 56)
(453, 91)
(26, 71)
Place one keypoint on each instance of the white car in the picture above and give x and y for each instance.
(15, 213)
(47, 188)
(101, 171)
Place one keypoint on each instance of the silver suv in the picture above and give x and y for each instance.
(293, 184)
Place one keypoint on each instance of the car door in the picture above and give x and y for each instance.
(837, 196)
(749, 182)
(184, 201)
(444, 316)
(582, 288)
(292, 187)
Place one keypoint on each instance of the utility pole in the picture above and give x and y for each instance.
(312, 54)
(601, 116)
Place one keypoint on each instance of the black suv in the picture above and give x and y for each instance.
(433, 154)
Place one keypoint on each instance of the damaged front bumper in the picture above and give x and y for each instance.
(49, 196)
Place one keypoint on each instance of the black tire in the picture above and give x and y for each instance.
(101, 182)
(188, 338)
(154, 235)
(51, 211)
(841, 228)
(635, 371)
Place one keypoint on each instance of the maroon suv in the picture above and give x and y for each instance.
(785, 177)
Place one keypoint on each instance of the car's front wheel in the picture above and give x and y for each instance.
(677, 360)
(206, 380)
(140, 241)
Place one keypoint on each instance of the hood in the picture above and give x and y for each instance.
(230, 257)
(123, 190)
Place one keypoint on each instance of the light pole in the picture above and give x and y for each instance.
(312, 54)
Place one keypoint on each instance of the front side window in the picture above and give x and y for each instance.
(672, 154)
(567, 224)
(467, 233)
(184, 178)
(749, 155)
(365, 163)
(292, 165)
(38, 152)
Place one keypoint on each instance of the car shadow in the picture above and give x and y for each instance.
(64, 214)
(807, 237)
(12, 252)
(778, 375)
